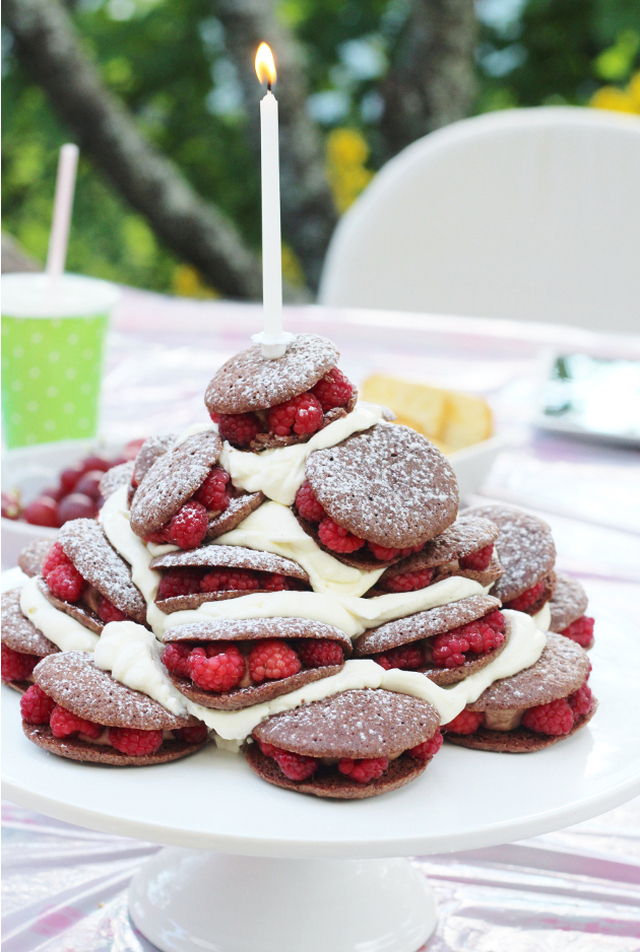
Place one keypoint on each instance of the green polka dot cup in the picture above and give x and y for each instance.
(53, 345)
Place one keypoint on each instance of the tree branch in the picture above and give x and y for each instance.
(308, 213)
(48, 46)
(432, 80)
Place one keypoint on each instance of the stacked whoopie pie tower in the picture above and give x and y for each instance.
(302, 537)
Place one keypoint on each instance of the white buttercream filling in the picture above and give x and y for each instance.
(279, 472)
(542, 618)
(65, 632)
(131, 654)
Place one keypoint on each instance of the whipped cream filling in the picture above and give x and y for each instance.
(279, 472)
(65, 632)
(274, 528)
(114, 518)
(542, 618)
(132, 655)
(350, 614)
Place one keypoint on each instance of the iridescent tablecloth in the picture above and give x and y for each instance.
(578, 889)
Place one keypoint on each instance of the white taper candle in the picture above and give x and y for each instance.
(62, 206)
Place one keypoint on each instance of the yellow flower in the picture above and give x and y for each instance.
(187, 281)
(347, 153)
(620, 100)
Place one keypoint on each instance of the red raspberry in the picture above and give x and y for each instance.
(159, 537)
(307, 504)
(66, 582)
(36, 706)
(55, 557)
(189, 525)
(316, 653)
(448, 650)
(193, 735)
(213, 493)
(478, 561)
(275, 583)
(495, 620)
(363, 770)
(333, 390)
(409, 582)
(336, 538)
(295, 766)
(428, 748)
(135, 743)
(384, 552)
(239, 429)
(554, 718)
(267, 749)
(405, 657)
(107, 611)
(466, 722)
(220, 667)
(179, 582)
(227, 580)
(581, 700)
(526, 599)
(63, 724)
(16, 666)
(175, 658)
(272, 660)
(580, 631)
(302, 413)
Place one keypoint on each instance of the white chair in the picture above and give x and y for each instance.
(530, 214)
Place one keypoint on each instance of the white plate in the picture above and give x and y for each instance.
(465, 799)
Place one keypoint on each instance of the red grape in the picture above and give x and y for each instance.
(89, 484)
(43, 511)
(10, 505)
(95, 462)
(69, 477)
(76, 506)
(132, 448)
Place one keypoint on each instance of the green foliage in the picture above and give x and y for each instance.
(167, 61)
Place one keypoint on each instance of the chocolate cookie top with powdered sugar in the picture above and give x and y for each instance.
(568, 603)
(116, 477)
(560, 670)
(236, 556)
(74, 682)
(249, 381)
(257, 629)
(459, 540)
(356, 724)
(172, 480)
(20, 634)
(525, 548)
(33, 556)
(387, 485)
(151, 450)
(85, 543)
(427, 624)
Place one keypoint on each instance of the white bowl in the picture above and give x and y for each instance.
(472, 464)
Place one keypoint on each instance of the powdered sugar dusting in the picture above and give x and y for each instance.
(257, 628)
(18, 632)
(569, 602)
(236, 556)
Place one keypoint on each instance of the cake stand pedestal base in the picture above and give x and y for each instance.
(196, 901)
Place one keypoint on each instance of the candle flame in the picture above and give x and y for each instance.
(265, 66)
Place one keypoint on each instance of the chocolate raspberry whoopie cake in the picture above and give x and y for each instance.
(85, 577)
(259, 402)
(533, 709)
(77, 711)
(215, 572)
(116, 477)
(350, 746)
(32, 557)
(229, 665)
(527, 555)
(447, 643)
(568, 607)
(23, 646)
(184, 498)
(377, 497)
(466, 549)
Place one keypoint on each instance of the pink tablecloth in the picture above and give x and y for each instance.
(578, 889)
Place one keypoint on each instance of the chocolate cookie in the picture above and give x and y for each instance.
(388, 486)
(80, 611)
(526, 551)
(240, 506)
(249, 381)
(465, 550)
(151, 450)
(245, 635)
(187, 571)
(172, 480)
(352, 726)
(73, 682)
(418, 630)
(31, 558)
(560, 671)
(569, 602)
(116, 477)
(20, 637)
(85, 543)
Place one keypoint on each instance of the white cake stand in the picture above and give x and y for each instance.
(252, 868)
